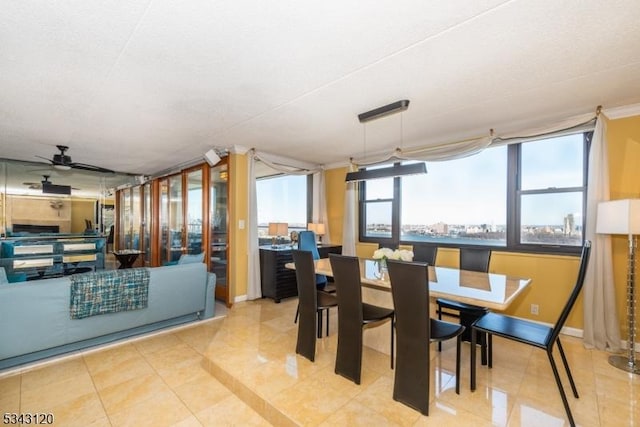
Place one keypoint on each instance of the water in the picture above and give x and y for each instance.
(408, 238)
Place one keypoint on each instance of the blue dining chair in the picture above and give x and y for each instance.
(307, 242)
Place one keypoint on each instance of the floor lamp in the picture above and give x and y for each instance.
(623, 217)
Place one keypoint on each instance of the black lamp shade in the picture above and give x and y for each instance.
(394, 107)
(389, 172)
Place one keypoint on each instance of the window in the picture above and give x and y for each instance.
(378, 208)
(282, 198)
(525, 196)
(552, 191)
(457, 201)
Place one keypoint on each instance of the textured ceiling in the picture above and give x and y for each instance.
(139, 86)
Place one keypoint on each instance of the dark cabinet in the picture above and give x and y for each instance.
(279, 282)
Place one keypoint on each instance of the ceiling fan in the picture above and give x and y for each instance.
(39, 185)
(63, 162)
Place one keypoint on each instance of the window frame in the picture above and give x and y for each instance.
(390, 242)
(514, 227)
(513, 205)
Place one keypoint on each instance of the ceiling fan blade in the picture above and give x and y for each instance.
(92, 168)
(44, 158)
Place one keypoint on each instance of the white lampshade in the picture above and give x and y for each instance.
(278, 228)
(316, 227)
(619, 217)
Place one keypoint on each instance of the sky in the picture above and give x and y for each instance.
(282, 199)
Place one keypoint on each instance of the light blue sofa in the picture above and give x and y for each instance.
(35, 322)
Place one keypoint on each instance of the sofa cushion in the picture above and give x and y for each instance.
(188, 259)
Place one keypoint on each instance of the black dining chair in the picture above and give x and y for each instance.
(422, 253)
(311, 303)
(534, 334)
(471, 259)
(354, 316)
(415, 329)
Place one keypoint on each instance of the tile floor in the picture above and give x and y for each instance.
(242, 370)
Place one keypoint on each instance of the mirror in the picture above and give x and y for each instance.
(34, 198)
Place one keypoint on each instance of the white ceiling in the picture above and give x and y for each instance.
(142, 85)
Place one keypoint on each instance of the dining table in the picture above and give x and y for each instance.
(492, 290)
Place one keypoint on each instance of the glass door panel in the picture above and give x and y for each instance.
(219, 230)
(146, 223)
(135, 224)
(124, 233)
(129, 202)
(176, 223)
(165, 247)
(194, 212)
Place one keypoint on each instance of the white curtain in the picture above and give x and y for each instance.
(434, 153)
(601, 327)
(469, 147)
(281, 164)
(254, 288)
(349, 230)
(319, 214)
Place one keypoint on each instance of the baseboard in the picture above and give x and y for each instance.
(572, 332)
(240, 298)
(625, 345)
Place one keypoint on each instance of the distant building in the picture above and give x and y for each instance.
(440, 228)
(569, 225)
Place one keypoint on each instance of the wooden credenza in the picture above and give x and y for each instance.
(277, 281)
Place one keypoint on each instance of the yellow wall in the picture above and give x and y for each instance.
(548, 273)
(552, 276)
(238, 211)
(82, 209)
(335, 188)
(624, 157)
(38, 211)
(34, 210)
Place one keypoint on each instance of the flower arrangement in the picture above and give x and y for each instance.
(383, 254)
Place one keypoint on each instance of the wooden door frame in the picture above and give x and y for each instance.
(226, 294)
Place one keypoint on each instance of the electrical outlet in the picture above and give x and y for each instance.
(534, 309)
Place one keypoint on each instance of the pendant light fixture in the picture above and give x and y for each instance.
(386, 110)
(396, 169)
